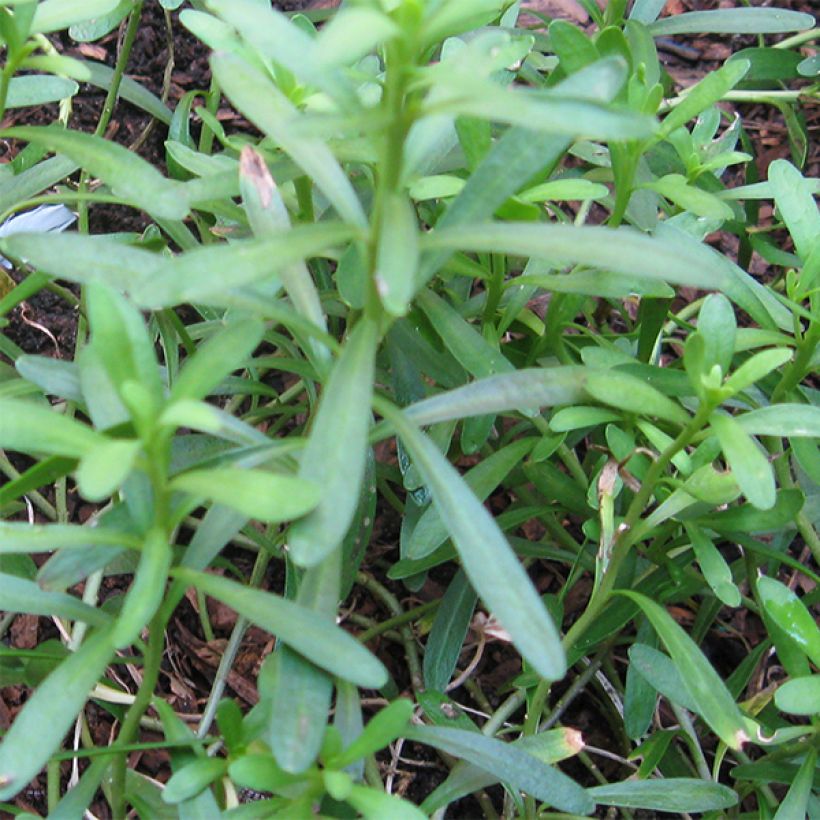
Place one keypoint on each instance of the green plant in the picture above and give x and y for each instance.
(389, 240)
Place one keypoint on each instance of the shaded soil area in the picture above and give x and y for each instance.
(47, 324)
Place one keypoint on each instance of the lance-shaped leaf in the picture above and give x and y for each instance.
(267, 107)
(22, 595)
(337, 448)
(49, 713)
(258, 494)
(732, 21)
(674, 794)
(511, 764)
(313, 636)
(705, 686)
(128, 175)
(34, 428)
(487, 558)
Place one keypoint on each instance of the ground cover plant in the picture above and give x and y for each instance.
(482, 276)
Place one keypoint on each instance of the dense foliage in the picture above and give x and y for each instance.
(504, 247)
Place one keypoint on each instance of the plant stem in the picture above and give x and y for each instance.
(111, 101)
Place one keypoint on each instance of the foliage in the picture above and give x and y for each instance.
(487, 242)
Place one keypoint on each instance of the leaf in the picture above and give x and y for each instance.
(397, 255)
(52, 15)
(713, 566)
(337, 449)
(659, 671)
(795, 205)
(704, 93)
(430, 532)
(33, 428)
(190, 780)
(732, 21)
(130, 177)
(81, 258)
(147, 590)
(799, 696)
(381, 730)
(705, 686)
(749, 519)
(39, 89)
(530, 388)
(268, 108)
(49, 713)
(199, 275)
(792, 420)
(255, 493)
(750, 467)
(671, 794)
(623, 250)
(376, 805)
(472, 351)
(324, 643)
(216, 358)
(491, 565)
(20, 537)
(791, 615)
(630, 393)
(22, 595)
(510, 764)
(448, 632)
(690, 198)
(796, 802)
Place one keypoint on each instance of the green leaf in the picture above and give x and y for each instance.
(20, 537)
(99, 25)
(267, 496)
(268, 108)
(750, 519)
(216, 358)
(510, 764)
(81, 258)
(791, 615)
(704, 93)
(38, 89)
(337, 449)
(381, 730)
(796, 802)
(799, 696)
(659, 671)
(713, 566)
(324, 643)
(52, 15)
(528, 388)
(103, 470)
(791, 420)
(448, 632)
(190, 780)
(732, 21)
(147, 589)
(21, 595)
(564, 190)
(376, 805)
(630, 393)
(129, 176)
(49, 713)
(750, 467)
(397, 256)
(491, 565)
(199, 275)
(34, 428)
(430, 531)
(671, 794)
(795, 205)
(472, 351)
(690, 198)
(705, 686)
(623, 250)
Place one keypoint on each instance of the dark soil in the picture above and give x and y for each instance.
(45, 324)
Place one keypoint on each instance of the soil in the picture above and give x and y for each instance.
(46, 324)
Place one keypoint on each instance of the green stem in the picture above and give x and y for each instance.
(111, 100)
(398, 620)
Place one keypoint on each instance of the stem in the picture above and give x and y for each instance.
(111, 100)
(150, 676)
